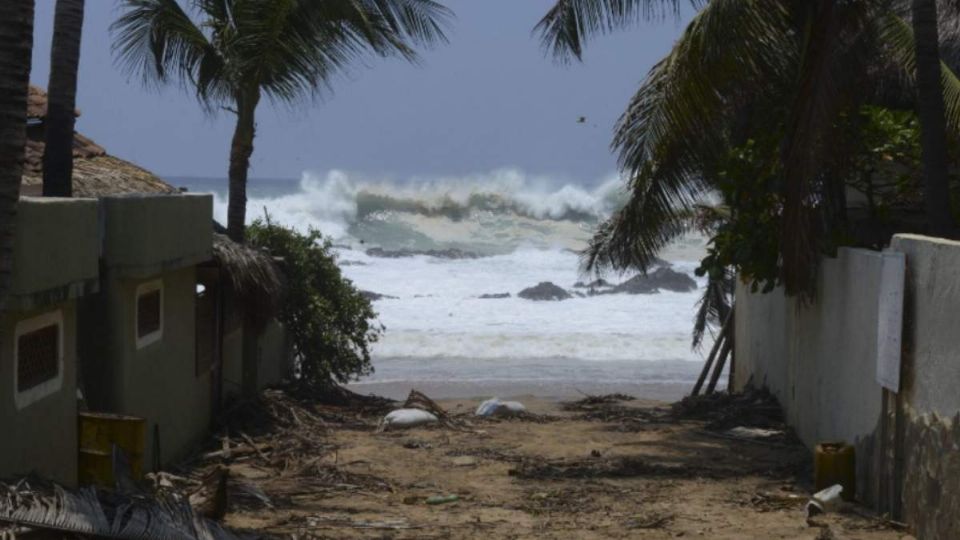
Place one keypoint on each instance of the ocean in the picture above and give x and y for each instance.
(441, 338)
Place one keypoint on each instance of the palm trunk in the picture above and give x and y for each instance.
(61, 99)
(16, 44)
(930, 108)
(240, 150)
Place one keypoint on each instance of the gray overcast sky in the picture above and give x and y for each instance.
(488, 100)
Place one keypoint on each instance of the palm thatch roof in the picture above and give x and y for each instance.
(252, 276)
(95, 172)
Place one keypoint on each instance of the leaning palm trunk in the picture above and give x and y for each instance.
(61, 99)
(16, 43)
(930, 109)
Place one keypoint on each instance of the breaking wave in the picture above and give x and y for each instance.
(494, 212)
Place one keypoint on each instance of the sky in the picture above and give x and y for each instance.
(490, 99)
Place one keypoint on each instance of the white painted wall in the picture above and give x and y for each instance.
(818, 358)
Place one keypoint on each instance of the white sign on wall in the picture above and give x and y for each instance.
(890, 319)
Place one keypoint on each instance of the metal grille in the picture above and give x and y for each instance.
(38, 357)
(148, 313)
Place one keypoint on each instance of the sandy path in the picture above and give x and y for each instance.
(637, 476)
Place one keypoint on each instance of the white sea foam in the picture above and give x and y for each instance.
(437, 327)
(437, 313)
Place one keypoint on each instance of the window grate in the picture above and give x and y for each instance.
(148, 313)
(38, 357)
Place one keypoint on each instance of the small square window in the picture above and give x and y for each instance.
(38, 357)
(149, 323)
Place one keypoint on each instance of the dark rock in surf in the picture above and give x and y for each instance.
(373, 297)
(660, 279)
(544, 291)
(494, 296)
(351, 263)
(449, 253)
(596, 284)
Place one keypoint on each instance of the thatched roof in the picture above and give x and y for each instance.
(95, 172)
(253, 277)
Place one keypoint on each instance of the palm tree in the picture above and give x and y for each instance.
(238, 51)
(16, 44)
(813, 61)
(930, 107)
(61, 99)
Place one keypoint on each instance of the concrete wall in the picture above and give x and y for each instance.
(929, 400)
(41, 436)
(147, 234)
(55, 251)
(54, 263)
(820, 360)
(157, 381)
(148, 239)
(275, 355)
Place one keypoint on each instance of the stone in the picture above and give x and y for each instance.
(544, 291)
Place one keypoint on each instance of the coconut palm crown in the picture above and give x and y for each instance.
(744, 69)
(739, 68)
(233, 52)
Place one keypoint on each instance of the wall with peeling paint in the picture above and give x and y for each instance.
(819, 359)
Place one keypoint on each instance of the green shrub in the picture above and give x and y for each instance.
(332, 324)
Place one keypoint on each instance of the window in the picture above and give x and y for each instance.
(149, 323)
(38, 357)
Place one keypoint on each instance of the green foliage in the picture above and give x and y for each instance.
(749, 239)
(332, 323)
(744, 69)
(886, 162)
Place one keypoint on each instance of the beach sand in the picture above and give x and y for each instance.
(623, 469)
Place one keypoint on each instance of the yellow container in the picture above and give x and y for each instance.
(835, 463)
(98, 433)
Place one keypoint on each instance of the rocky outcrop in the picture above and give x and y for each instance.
(544, 291)
(373, 297)
(449, 253)
(494, 296)
(661, 279)
(595, 284)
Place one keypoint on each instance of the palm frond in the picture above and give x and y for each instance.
(714, 305)
(569, 23)
(896, 35)
(294, 47)
(157, 40)
(87, 511)
(676, 124)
